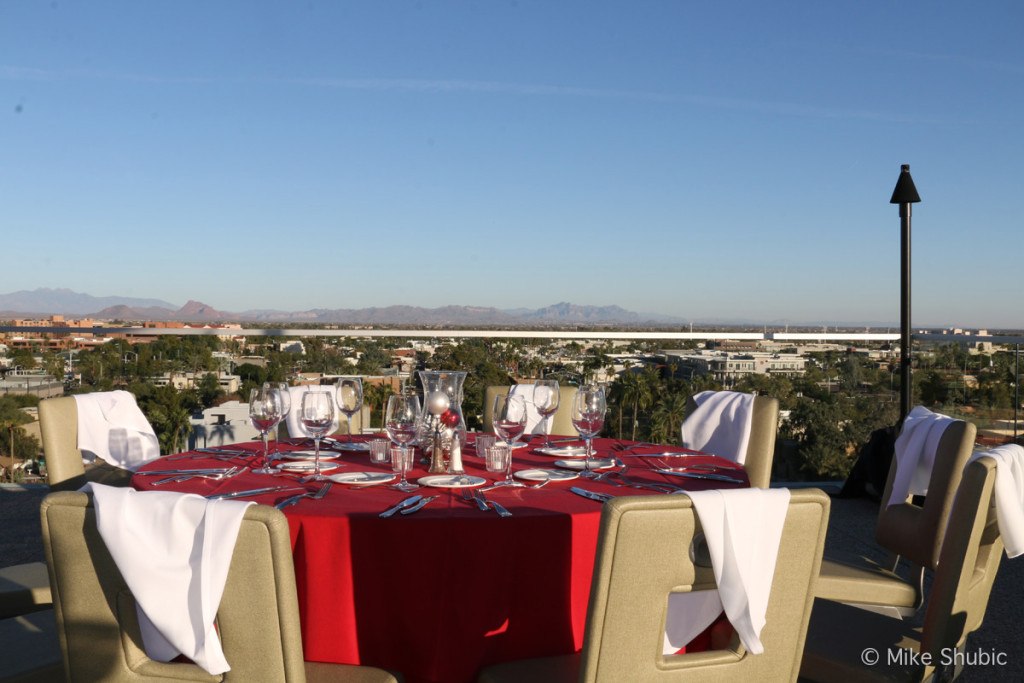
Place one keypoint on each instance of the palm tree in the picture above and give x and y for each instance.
(377, 395)
(637, 392)
(668, 417)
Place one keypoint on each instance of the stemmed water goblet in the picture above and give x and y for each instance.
(281, 390)
(350, 399)
(510, 424)
(588, 409)
(317, 417)
(265, 413)
(545, 400)
(401, 418)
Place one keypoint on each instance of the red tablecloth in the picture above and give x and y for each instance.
(443, 592)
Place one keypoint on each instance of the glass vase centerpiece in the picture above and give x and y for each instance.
(442, 432)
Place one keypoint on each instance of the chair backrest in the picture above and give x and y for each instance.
(916, 531)
(651, 537)
(971, 551)
(258, 619)
(764, 427)
(561, 422)
(58, 425)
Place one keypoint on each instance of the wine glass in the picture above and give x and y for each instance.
(401, 418)
(350, 399)
(285, 396)
(588, 409)
(545, 400)
(317, 417)
(509, 424)
(265, 413)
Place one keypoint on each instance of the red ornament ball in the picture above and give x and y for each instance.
(449, 418)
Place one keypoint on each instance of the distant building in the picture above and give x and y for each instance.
(728, 367)
(221, 425)
(190, 380)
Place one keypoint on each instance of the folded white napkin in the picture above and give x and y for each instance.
(720, 424)
(293, 419)
(1009, 494)
(742, 528)
(915, 453)
(111, 427)
(173, 550)
(531, 394)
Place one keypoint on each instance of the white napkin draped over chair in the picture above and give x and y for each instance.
(534, 420)
(720, 424)
(294, 418)
(174, 551)
(111, 427)
(915, 452)
(1009, 494)
(743, 529)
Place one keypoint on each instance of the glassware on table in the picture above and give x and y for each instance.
(317, 417)
(482, 443)
(497, 457)
(588, 409)
(545, 399)
(401, 462)
(265, 413)
(510, 424)
(350, 399)
(285, 396)
(401, 418)
(378, 451)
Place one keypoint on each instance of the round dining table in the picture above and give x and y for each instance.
(451, 588)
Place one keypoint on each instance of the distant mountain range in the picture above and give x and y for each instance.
(45, 302)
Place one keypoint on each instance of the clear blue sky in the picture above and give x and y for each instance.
(709, 160)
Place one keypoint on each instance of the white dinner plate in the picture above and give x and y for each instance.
(306, 466)
(307, 455)
(595, 464)
(564, 451)
(362, 478)
(545, 475)
(451, 481)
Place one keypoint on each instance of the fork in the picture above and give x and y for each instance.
(314, 495)
(226, 474)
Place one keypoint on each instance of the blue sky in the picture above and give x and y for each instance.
(712, 161)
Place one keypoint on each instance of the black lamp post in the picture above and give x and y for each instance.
(905, 194)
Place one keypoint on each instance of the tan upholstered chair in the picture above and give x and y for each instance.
(761, 447)
(643, 554)
(967, 566)
(258, 619)
(561, 422)
(914, 532)
(25, 588)
(58, 424)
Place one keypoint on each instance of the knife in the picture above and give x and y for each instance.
(412, 500)
(413, 508)
(201, 470)
(601, 497)
(702, 475)
(254, 492)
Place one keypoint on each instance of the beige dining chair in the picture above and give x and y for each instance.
(764, 427)
(906, 530)
(561, 421)
(645, 552)
(966, 569)
(25, 588)
(258, 618)
(58, 425)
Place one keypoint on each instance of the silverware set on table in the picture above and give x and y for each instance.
(616, 477)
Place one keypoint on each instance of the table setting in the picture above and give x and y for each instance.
(514, 529)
